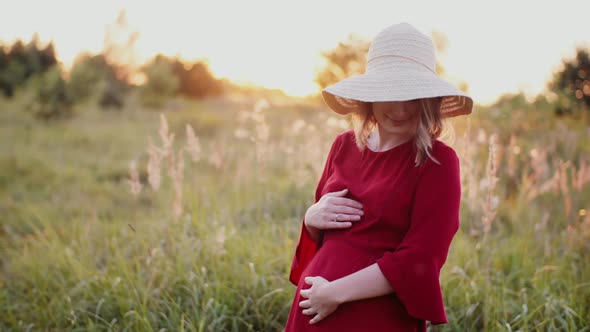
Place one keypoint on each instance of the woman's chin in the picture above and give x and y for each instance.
(396, 129)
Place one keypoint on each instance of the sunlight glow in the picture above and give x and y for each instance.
(277, 44)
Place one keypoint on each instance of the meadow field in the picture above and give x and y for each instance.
(101, 230)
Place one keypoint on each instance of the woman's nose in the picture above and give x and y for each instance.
(400, 113)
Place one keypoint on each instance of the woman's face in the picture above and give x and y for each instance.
(398, 117)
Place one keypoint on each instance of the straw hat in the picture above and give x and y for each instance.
(400, 66)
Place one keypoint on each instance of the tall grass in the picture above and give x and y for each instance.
(188, 220)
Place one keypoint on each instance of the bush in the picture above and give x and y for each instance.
(50, 98)
(92, 78)
(161, 83)
(22, 61)
(571, 84)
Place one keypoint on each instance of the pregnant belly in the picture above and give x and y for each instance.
(337, 259)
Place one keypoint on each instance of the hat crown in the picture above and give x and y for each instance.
(401, 42)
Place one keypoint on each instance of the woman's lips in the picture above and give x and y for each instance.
(397, 121)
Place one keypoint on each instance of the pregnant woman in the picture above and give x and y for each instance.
(386, 206)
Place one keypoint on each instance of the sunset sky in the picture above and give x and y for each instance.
(495, 46)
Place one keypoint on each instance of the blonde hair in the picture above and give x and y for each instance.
(430, 127)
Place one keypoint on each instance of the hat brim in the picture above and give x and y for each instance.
(343, 97)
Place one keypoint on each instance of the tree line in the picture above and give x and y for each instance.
(53, 91)
(107, 78)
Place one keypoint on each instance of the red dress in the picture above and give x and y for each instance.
(411, 215)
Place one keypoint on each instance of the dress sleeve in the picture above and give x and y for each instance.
(413, 268)
(306, 247)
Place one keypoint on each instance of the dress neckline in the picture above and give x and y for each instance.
(397, 147)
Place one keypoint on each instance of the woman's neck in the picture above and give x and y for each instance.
(380, 140)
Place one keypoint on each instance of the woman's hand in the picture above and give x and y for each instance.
(333, 211)
(320, 302)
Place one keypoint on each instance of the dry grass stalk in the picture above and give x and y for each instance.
(513, 151)
(153, 166)
(581, 176)
(539, 164)
(262, 133)
(134, 182)
(175, 163)
(192, 144)
(491, 201)
(177, 176)
(563, 186)
(540, 168)
(216, 157)
(578, 233)
(167, 138)
(468, 170)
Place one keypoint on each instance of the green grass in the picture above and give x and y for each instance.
(78, 252)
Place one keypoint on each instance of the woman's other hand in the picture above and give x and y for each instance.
(320, 301)
(333, 210)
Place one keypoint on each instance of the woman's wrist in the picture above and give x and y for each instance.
(313, 232)
(335, 293)
(365, 283)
